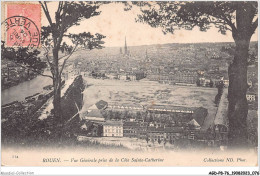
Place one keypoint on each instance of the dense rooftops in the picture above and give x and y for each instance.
(113, 123)
(169, 108)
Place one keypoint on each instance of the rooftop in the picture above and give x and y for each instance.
(113, 123)
(154, 129)
(101, 104)
(171, 108)
(136, 124)
(199, 115)
(126, 106)
(193, 122)
(94, 113)
(173, 129)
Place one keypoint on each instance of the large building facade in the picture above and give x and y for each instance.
(113, 129)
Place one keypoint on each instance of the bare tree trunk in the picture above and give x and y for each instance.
(57, 98)
(238, 107)
(57, 88)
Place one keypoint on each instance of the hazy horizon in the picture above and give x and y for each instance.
(116, 24)
(121, 46)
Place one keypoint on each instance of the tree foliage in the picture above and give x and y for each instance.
(175, 15)
(59, 44)
(24, 56)
(55, 36)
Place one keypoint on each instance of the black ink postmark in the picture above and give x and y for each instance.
(21, 31)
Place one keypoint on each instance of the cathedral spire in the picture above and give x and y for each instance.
(125, 47)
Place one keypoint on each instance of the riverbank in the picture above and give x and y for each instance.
(25, 89)
(21, 124)
(11, 83)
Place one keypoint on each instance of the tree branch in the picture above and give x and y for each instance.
(48, 60)
(64, 62)
(64, 56)
(60, 7)
(218, 24)
(224, 18)
(47, 57)
(58, 13)
(229, 22)
(46, 12)
(62, 25)
(36, 71)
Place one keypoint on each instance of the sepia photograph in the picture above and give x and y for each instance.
(137, 83)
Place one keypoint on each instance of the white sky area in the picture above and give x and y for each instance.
(116, 24)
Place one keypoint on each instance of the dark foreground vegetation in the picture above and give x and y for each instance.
(21, 127)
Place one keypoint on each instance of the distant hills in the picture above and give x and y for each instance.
(156, 51)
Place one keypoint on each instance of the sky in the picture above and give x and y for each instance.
(116, 24)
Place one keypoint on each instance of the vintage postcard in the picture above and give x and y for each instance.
(138, 83)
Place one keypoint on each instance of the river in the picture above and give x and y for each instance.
(25, 89)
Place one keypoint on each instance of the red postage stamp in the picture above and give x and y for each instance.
(22, 25)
